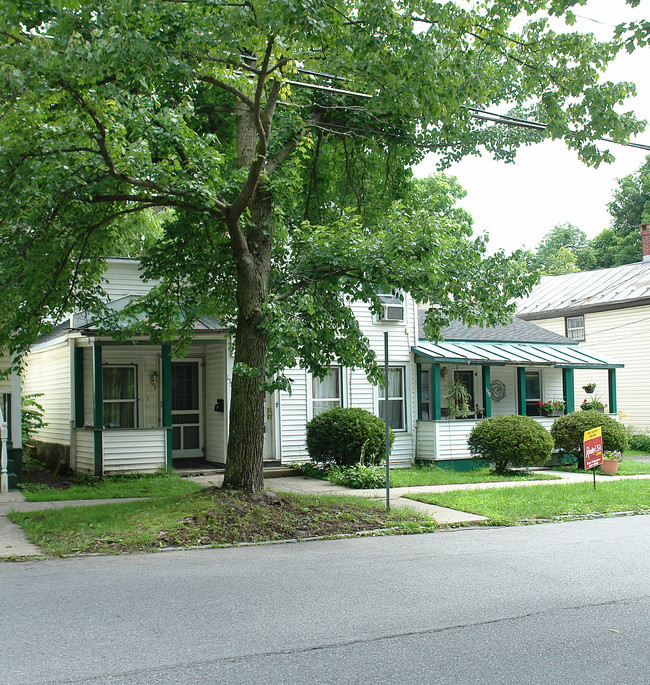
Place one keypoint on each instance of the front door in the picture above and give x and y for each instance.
(269, 434)
(187, 410)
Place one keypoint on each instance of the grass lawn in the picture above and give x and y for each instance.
(626, 467)
(509, 506)
(209, 517)
(435, 475)
(113, 487)
(635, 453)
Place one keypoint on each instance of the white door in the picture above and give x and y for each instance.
(269, 434)
(187, 409)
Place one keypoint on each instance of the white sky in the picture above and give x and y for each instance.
(517, 204)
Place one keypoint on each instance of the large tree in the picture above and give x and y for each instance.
(630, 207)
(565, 248)
(277, 135)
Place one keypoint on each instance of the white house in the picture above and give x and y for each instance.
(10, 416)
(131, 406)
(608, 310)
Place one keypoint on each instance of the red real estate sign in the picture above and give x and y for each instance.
(593, 447)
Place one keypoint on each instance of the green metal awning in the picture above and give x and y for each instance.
(564, 356)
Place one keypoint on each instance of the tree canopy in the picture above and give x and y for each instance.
(565, 248)
(277, 137)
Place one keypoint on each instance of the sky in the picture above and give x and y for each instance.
(518, 203)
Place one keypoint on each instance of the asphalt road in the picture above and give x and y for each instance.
(560, 603)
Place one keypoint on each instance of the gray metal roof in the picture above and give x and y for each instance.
(584, 291)
(86, 320)
(561, 355)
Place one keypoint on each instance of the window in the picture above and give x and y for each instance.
(326, 392)
(533, 393)
(575, 327)
(396, 399)
(425, 395)
(119, 396)
(392, 307)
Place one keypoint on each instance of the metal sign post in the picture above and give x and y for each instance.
(386, 419)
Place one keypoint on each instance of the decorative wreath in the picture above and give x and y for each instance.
(497, 390)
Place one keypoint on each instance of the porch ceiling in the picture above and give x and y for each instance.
(571, 356)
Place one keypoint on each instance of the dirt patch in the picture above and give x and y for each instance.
(221, 517)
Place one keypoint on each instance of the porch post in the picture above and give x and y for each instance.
(487, 397)
(78, 387)
(521, 391)
(611, 378)
(435, 392)
(166, 391)
(568, 390)
(98, 408)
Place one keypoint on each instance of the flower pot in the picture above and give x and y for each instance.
(555, 412)
(609, 467)
(589, 388)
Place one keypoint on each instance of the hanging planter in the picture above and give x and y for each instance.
(589, 388)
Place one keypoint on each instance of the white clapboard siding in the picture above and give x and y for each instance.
(619, 335)
(48, 372)
(215, 389)
(84, 450)
(294, 416)
(123, 279)
(426, 440)
(507, 375)
(5, 382)
(134, 450)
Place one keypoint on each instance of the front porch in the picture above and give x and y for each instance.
(499, 378)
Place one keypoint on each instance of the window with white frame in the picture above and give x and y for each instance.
(575, 327)
(396, 398)
(326, 392)
(120, 393)
(392, 307)
(533, 381)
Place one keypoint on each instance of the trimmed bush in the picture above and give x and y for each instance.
(640, 442)
(568, 431)
(345, 436)
(510, 441)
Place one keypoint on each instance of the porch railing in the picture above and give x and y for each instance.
(4, 436)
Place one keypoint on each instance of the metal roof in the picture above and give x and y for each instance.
(562, 355)
(87, 320)
(620, 286)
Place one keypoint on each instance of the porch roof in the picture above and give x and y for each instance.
(563, 355)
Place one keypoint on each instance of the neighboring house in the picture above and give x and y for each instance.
(10, 414)
(608, 310)
(113, 406)
(507, 370)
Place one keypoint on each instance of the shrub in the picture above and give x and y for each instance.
(568, 431)
(347, 436)
(641, 443)
(360, 476)
(510, 441)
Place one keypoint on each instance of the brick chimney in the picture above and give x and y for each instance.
(645, 241)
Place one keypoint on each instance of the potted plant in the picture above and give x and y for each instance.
(589, 388)
(611, 460)
(458, 400)
(594, 403)
(552, 408)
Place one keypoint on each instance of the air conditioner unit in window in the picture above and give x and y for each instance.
(392, 312)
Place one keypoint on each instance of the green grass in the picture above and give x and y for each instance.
(509, 506)
(435, 475)
(215, 517)
(635, 453)
(626, 467)
(113, 487)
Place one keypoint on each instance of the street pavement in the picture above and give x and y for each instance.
(550, 604)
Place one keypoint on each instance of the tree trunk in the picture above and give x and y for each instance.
(244, 464)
